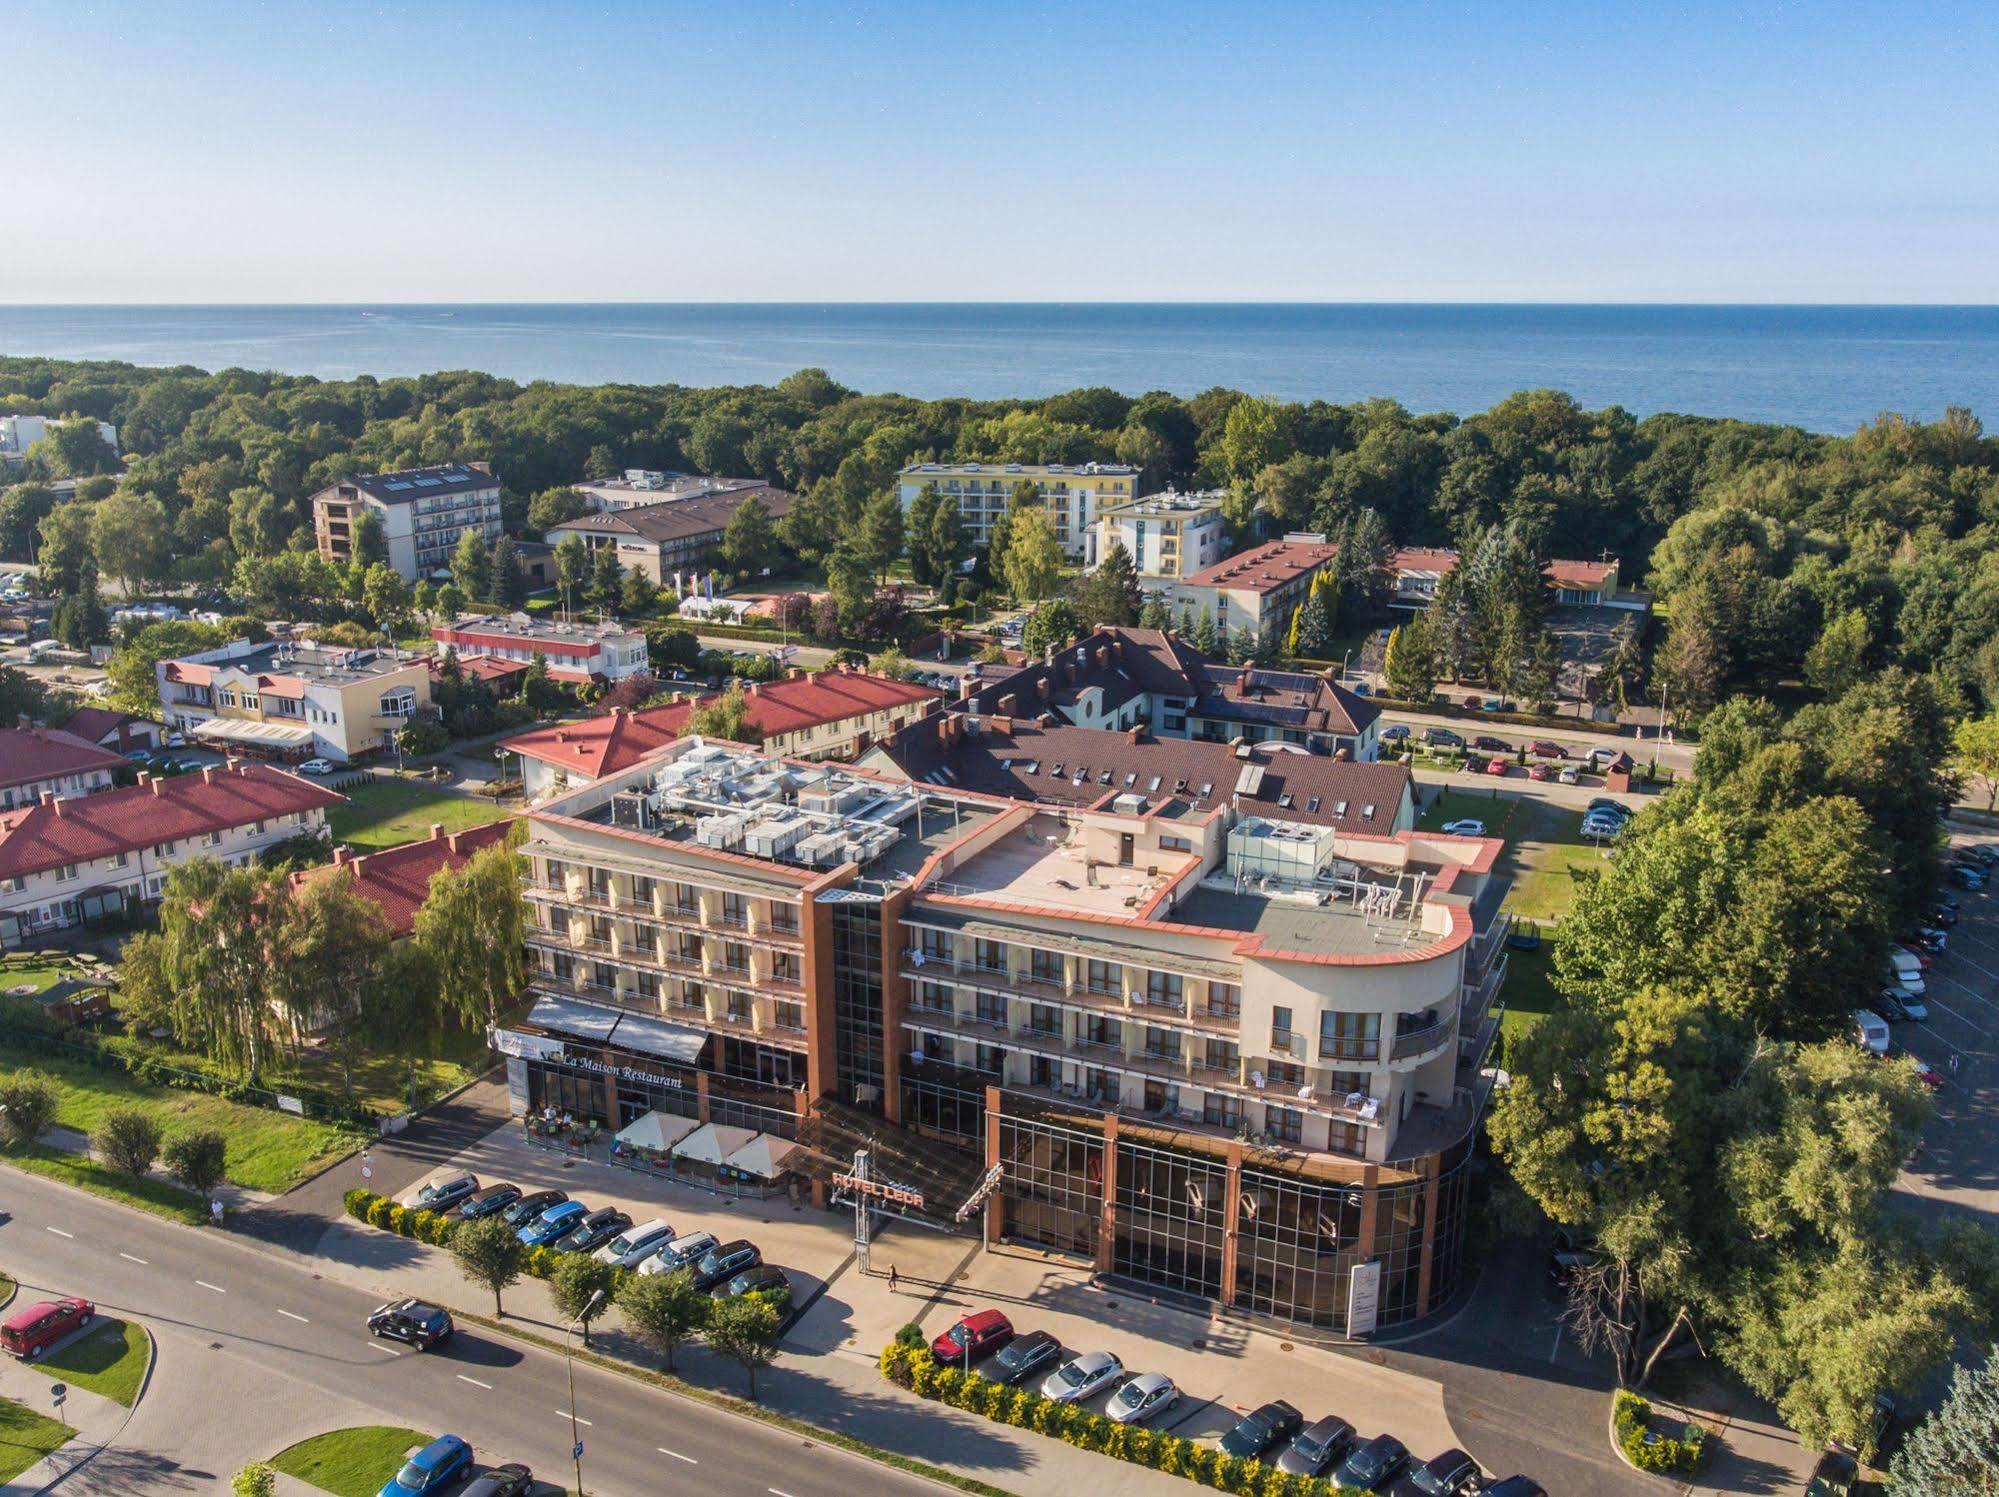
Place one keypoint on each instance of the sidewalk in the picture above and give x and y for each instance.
(97, 1421)
(234, 1197)
(830, 1377)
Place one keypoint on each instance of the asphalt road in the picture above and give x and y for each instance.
(259, 1317)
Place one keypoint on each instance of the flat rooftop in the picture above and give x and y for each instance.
(309, 662)
(1043, 864)
(1299, 923)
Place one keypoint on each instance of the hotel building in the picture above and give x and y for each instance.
(1211, 1050)
(1168, 536)
(1072, 494)
(423, 512)
(292, 699)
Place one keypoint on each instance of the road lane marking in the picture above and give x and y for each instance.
(389, 1349)
(299, 1318)
(774, 1492)
(216, 1287)
(676, 1455)
(475, 1382)
(130, 1259)
(567, 1415)
(61, 1233)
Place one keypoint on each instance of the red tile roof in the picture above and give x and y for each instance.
(95, 724)
(30, 754)
(1579, 574)
(398, 878)
(1263, 569)
(83, 827)
(1441, 559)
(605, 745)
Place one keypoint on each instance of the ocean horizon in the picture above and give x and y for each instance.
(1826, 367)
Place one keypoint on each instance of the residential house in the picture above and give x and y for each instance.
(293, 699)
(36, 762)
(398, 878)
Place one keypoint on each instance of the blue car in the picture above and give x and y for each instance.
(552, 1223)
(433, 1468)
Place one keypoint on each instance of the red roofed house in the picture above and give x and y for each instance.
(1255, 589)
(1415, 572)
(835, 714)
(398, 878)
(576, 652)
(66, 860)
(108, 728)
(50, 761)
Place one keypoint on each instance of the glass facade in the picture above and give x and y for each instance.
(1171, 1219)
(857, 1000)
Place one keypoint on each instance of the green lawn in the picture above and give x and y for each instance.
(350, 1462)
(161, 1197)
(1546, 856)
(31, 975)
(386, 813)
(1528, 993)
(111, 1360)
(268, 1150)
(26, 1437)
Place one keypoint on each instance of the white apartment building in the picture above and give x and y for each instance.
(575, 651)
(1073, 494)
(423, 512)
(1168, 535)
(19, 433)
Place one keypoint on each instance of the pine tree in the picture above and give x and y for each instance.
(607, 582)
(1410, 665)
(1955, 1451)
(1242, 646)
(918, 524)
(1155, 614)
(1206, 639)
(510, 587)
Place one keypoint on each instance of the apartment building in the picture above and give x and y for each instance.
(67, 861)
(1215, 1052)
(835, 714)
(38, 762)
(638, 487)
(19, 433)
(292, 699)
(1255, 589)
(576, 651)
(1072, 494)
(423, 512)
(1118, 677)
(1168, 535)
(678, 535)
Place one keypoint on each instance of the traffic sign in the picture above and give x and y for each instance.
(366, 1173)
(577, 1453)
(59, 1391)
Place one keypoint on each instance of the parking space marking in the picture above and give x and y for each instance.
(567, 1415)
(130, 1259)
(61, 1233)
(774, 1492)
(216, 1287)
(676, 1455)
(290, 1316)
(379, 1347)
(475, 1382)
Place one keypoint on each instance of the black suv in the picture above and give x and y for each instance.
(1372, 1465)
(1256, 1432)
(412, 1321)
(725, 1262)
(488, 1202)
(1023, 1356)
(529, 1206)
(596, 1229)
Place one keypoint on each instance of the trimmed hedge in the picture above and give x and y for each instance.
(1631, 1419)
(913, 1367)
(436, 1228)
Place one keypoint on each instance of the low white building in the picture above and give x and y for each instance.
(19, 433)
(643, 486)
(35, 762)
(576, 652)
(67, 861)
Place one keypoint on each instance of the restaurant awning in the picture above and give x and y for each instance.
(254, 734)
(656, 1130)
(657, 1037)
(763, 1156)
(586, 1021)
(711, 1143)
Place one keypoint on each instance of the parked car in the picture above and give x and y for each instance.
(1568, 774)
(1373, 1465)
(1443, 737)
(1614, 807)
(1603, 828)
(1448, 1475)
(1924, 961)
(1024, 1356)
(593, 1231)
(1465, 827)
(1541, 748)
(1144, 1397)
(316, 767)
(1498, 766)
(1926, 1073)
(1967, 879)
(635, 1244)
(1474, 702)
(1515, 1486)
(1320, 1446)
(973, 1336)
(1474, 764)
(413, 1322)
(1870, 1031)
(1568, 1253)
(489, 1201)
(1540, 772)
(1262, 1428)
(1395, 732)
(766, 1279)
(1985, 852)
(30, 1332)
(431, 1469)
(1492, 745)
(1896, 1003)
(725, 1262)
(555, 1222)
(526, 1208)
(510, 1480)
(681, 1252)
(442, 1195)
(1834, 1475)
(1079, 1377)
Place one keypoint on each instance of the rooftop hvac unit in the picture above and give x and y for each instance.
(773, 838)
(1129, 804)
(724, 832)
(821, 849)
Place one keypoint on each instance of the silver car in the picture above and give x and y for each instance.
(681, 1252)
(1148, 1394)
(1079, 1377)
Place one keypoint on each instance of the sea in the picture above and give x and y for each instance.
(1825, 368)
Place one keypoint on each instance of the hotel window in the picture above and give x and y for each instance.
(1105, 1032)
(992, 1010)
(1286, 1073)
(1105, 977)
(934, 998)
(1280, 1029)
(784, 967)
(1222, 1055)
(736, 958)
(1224, 1000)
(649, 985)
(1162, 990)
(735, 909)
(687, 947)
(989, 956)
(1041, 1071)
(1045, 966)
(600, 885)
(212, 839)
(1162, 1044)
(739, 1009)
(1044, 1019)
(784, 917)
(1221, 1112)
(642, 892)
(1349, 1036)
(687, 899)
(790, 1016)
(936, 946)
(66, 873)
(1286, 1123)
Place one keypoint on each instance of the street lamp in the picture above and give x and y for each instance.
(569, 1359)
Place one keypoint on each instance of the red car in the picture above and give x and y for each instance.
(1547, 750)
(1929, 1075)
(1497, 766)
(1923, 959)
(1539, 772)
(30, 1332)
(973, 1337)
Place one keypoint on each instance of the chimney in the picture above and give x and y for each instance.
(1135, 733)
(156, 786)
(562, 734)
(48, 797)
(1009, 704)
(143, 777)
(55, 804)
(752, 690)
(1003, 725)
(451, 843)
(1103, 654)
(341, 856)
(793, 674)
(1048, 655)
(1117, 647)
(436, 830)
(230, 761)
(1242, 682)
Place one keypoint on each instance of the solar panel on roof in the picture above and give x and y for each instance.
(428, 483)
(396, 488)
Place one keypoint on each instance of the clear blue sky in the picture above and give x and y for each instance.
(736, 150)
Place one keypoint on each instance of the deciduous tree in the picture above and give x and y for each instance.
(664, 1310)
(490, 1254)
(1033, 557)
(746, 1331)
(198, 1158)
(581, 1287)
(128, 1139)
(472, 924)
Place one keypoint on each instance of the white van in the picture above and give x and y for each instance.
(1871, 1030)
(1908, 971)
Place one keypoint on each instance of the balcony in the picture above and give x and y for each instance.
(1425, 1041)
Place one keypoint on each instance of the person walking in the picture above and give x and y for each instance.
(893, 1281)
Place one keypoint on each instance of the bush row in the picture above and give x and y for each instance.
(1631, 1419)
(434, 1227)
(909, 1364)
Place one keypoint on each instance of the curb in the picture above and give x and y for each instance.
(1680, 1484)
(14, 1288)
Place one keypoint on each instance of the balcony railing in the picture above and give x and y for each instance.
(1421, 1041)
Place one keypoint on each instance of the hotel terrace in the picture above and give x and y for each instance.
(1226, 1055)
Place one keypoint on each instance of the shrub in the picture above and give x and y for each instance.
(128, 1140)
(356, 1202)
(27, 1107)
(1631, 1420)
(255, 1480)
(911, 1336)
(894, 1362)
(399, 1219)
(378, 1211)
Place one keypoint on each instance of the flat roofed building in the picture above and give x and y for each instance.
(576, 652)
(1073, 494)
(678, 535)
(1415, 572)
(1255, 589)
(642, 486)
(293, 699)
(1143, 1012)
(1167, 535)
(71, 861)
(423, 512)
(20, 432)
